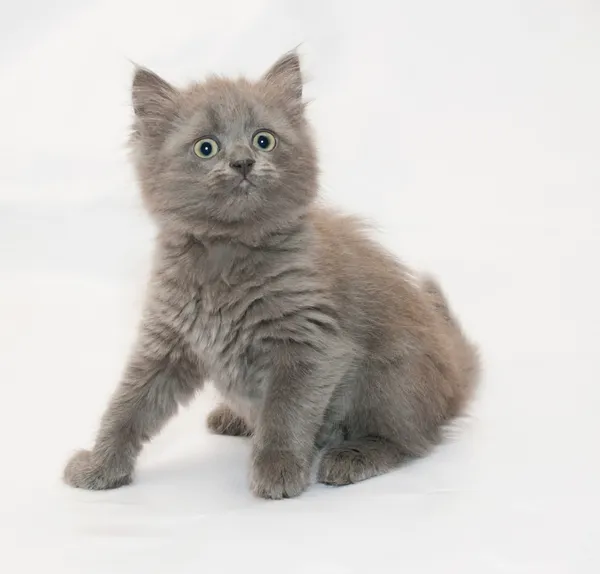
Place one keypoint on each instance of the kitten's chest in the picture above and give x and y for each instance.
(223, 341)
(212, 325)
(231, 299)
(207, 294)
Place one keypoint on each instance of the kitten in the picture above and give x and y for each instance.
(316, 338)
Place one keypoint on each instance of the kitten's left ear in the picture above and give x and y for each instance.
(154, 100)
(286, 76)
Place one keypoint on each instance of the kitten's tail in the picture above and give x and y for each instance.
(466, 352)
(433, 289)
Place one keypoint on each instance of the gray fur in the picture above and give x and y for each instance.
(315, 337)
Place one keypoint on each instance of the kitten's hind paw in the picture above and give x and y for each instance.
(222, 420)
(82, 471)
(354, 461)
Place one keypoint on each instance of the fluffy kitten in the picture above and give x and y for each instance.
(315, 337)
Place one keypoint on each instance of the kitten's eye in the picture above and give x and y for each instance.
(264, 141)
(206, 148)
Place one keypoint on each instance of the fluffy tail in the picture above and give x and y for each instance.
(438, 298)
(466, 352)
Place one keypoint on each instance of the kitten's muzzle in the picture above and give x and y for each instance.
(243, 166)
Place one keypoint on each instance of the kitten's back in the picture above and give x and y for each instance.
(390, 310)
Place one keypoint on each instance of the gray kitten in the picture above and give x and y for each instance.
(314, 336)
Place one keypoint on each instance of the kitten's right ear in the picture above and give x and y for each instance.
(154, 100)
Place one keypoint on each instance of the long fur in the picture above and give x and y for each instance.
(316, 338)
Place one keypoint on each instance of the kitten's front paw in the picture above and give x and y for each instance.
(278, 474)
(82, 471)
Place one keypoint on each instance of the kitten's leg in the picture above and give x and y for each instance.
(396, 416)
(359, 459)
(158, 378)
(222, 420)
(284, 439)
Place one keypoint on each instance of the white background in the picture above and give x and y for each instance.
(469, 131)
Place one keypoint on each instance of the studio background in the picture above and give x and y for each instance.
(467, 131)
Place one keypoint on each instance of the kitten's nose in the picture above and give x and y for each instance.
(242, 165)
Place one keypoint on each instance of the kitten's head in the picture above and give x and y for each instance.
(225, 157)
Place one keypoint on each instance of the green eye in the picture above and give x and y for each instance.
(264, 141)
(206, 148)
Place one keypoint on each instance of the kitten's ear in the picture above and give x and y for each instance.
(286, 76)
(154, 100)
